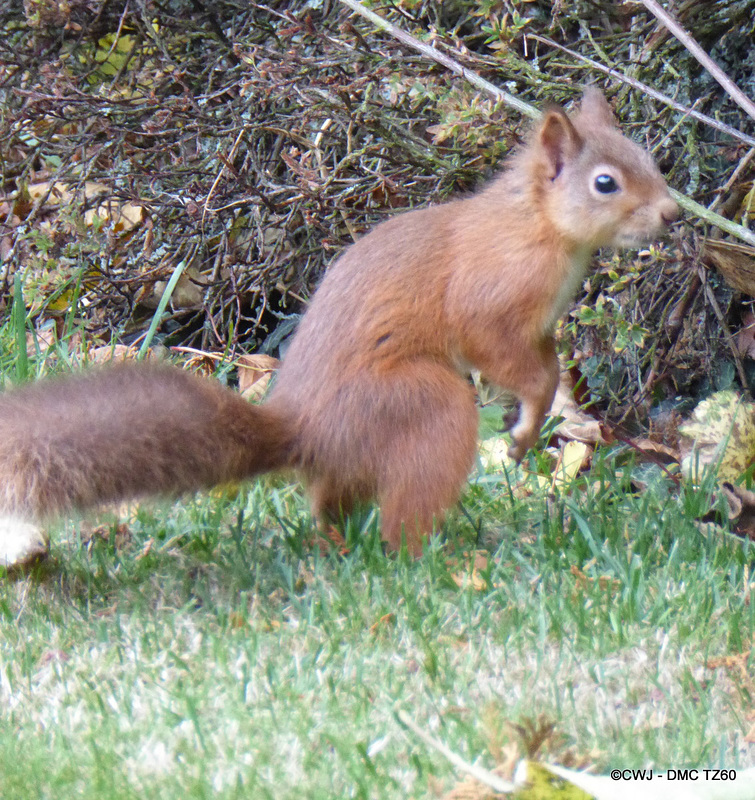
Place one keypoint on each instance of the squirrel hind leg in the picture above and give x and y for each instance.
(426, 464)
(413, 504)
(329, 501)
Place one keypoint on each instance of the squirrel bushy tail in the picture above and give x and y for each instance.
(129, 431)
(372, 400)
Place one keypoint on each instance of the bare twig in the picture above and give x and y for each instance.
(736, 94)
(441, 58)
(685, 202)
(214, 186)
(648, 90)
(741, 167)
(478, 773)
(725, 328)
(724, 224)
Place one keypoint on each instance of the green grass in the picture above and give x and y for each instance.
(213, 651)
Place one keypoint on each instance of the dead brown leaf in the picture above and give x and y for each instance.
(327, 538)
(576, 424)
(118, 352)
(466, 569)
(746, 336)
(382, 623)
(203, 362)
(188, 292)
(741, 503)
(146, 549)
(237, 620)
(44, 336)
(90, 534)
(121, 215)
(738, 667)
(255, 374)
(736, 262)
(584, 581)
(664, 453)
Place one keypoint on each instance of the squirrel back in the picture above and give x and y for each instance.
(371, 400)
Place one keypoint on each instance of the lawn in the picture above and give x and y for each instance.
(213, 648)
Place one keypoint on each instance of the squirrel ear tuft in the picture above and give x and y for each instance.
(559, 140)
(595, 107)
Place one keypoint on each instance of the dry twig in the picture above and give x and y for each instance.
(731, 88)
(685, 202)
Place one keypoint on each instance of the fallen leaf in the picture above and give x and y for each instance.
(746, 336)
(465, 570)
(123, 215)
(719, 432)
(203, 362)
(384, 621)
(741, 509)
(494, 453)
(102, 354)
(572, 457)
(237, 620)
(541, 781)
(255, 373)
(576, 424)
(665, 454)
(328, 538)
(43, 337)
(146, 549)
(605, 583)
(188, 292)
(736, 262)
(120, 534)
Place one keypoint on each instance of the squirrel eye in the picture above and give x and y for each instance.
(605, 184)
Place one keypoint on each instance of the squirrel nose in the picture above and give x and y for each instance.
(669, 211)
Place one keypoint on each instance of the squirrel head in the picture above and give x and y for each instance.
(597, 187)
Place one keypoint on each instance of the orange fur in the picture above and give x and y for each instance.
(371, 400)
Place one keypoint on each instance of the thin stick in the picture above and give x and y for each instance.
(739, 231)
(215, 183)
(724, 224)
(645, 89)
(442, 58)
(731, 88)
(725, 328)
(733, 178)
(478, 773)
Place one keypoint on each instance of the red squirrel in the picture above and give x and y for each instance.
(372, 400)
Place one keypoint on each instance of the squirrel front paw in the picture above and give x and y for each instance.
(517, 451)
(526, 432)
(523, 438)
